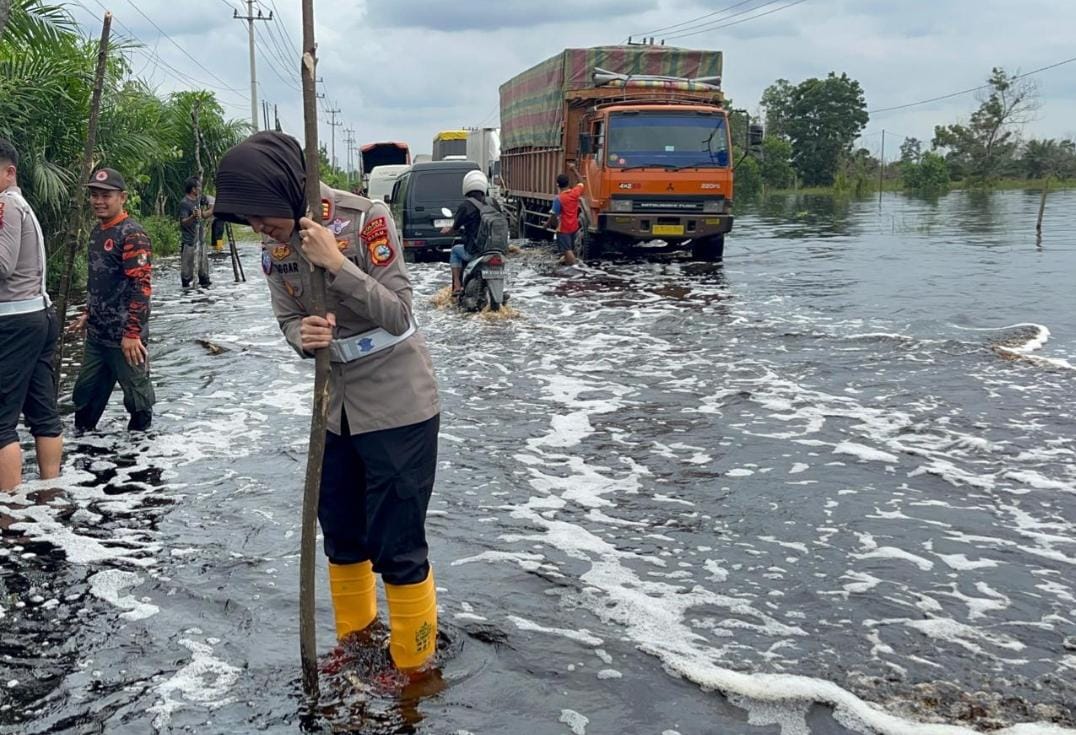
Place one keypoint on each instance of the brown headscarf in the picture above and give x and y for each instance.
(265, 176)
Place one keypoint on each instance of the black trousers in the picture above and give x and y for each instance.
(27, 379)
(375, 489)
(102, 367)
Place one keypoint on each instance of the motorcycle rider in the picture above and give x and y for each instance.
(466, 221)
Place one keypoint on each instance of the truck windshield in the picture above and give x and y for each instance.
(667, 139)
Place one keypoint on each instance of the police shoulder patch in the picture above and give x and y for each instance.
(381, 252)
(267, 262)
(1, 215)
(375, 229)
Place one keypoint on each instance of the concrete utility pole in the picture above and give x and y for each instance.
(350, 141)
(333, 125)
(250, 18)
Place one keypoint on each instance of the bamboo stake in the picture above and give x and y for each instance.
(1042, 210)
(78, 196)
(316, 301)
(199, 241)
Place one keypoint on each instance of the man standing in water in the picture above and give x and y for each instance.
(117, 310)
(192, 216)
(566, 212)
(28, 333)
(384, 410)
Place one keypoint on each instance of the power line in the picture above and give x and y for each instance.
(287, 33)
(969, 90)
(287, 61)
(723, 24)
(274, 64)
(693, 20)
(154, 56)
(185, 52)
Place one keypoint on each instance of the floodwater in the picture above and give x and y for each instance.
(827, 487)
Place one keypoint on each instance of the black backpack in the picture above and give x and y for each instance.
(492, 230)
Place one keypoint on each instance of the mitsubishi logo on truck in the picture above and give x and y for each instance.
(670, 187)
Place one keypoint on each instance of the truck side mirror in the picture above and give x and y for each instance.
(388, 199)
(586, 144)
(755, 134)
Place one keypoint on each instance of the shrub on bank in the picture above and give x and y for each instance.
(163, 234)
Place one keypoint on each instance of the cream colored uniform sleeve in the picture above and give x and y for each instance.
(379, 290)
(285, 294)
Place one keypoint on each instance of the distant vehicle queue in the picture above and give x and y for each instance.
(642, 128)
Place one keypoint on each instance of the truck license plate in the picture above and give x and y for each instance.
(442, 223)
(668, 229)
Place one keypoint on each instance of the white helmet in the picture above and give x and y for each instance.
(475, 181)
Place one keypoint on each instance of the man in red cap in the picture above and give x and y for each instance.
(117, 310)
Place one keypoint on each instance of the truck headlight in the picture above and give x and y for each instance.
(622, 205)
(713, 205)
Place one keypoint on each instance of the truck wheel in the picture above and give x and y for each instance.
(519, 232)
(587, 246)
(710, 249)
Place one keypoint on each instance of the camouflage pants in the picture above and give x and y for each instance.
(102, 367)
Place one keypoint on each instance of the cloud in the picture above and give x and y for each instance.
(492, 15)
(403, 69)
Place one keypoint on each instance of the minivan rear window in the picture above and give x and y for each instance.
(438, 186)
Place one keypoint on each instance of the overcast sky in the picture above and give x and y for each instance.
(404, 69)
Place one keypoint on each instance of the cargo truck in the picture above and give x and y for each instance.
(484, 148)
(643, 127)
(384, 154)
(450, 145)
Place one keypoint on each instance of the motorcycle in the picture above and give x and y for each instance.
(483, 281)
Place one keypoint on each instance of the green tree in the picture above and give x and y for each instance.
(911, 150)
(776, 164)
(983, 149)
(1042, 158)
(46, 79)
(748, 180)
(929, 175)
(825, 118)
(776, 103)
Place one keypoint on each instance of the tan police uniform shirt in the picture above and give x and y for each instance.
(385, 390)
(21, 264)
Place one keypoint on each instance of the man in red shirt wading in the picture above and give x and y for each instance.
(566, 212)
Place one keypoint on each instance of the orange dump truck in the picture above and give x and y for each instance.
(645, 129)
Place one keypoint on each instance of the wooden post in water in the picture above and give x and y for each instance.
(1042, 210)
(316, 453)
(881, 170)
(199, 241)
(78, 195)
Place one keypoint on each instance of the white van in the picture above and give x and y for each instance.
(381, 180)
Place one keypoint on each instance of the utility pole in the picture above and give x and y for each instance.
(350, 141)
(250, 18)
(333, 124)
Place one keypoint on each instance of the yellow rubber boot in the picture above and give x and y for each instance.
(412, 623)
(354, 591)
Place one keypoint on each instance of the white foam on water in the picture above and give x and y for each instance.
(204, 682)
(108, 584)
(582, 636)
(527, 561)
(576, 722)
(610, 674)
(865, 453)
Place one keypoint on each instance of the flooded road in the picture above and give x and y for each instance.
(827, 487)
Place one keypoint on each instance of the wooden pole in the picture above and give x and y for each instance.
(316, 301)
(199, 241)
(881, 170)
(1042, 210)
(78, 195)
